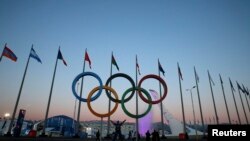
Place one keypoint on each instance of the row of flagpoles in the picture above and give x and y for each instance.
(8, 53)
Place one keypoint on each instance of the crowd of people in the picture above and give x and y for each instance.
(131, 136)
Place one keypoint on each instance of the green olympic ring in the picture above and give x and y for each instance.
(123, 101)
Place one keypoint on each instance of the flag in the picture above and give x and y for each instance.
(59, 56)
(247, 91)
(179, 72)
(137, 66)
(34, 55)
(221, 79)
(196, 75)
(231, 84)
(8, 53)
(86, 58)
(239, 87)
(210, 78)
(244, 89)
(114, 62)
(160, 68)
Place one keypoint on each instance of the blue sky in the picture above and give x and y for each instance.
(211, 35)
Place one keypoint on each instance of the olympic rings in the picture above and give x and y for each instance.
(89, 100)
(82, 75)
(127, 112)
(120, 75)
(161, 81)
(110, 90)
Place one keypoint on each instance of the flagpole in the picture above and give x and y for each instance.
(198, 93)
(162, 125)
(245, 92)
(190, 90)
(222, 87)
(50, 94)
(109, 108)
(247, 103)
(216, 116)
(136, 98)
(74, 123)
(242, 103)
(18, 97)
(183, 113)
(2, 52)
(232, 89)
(79, 104)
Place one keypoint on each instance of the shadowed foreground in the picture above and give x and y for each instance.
(78, 139)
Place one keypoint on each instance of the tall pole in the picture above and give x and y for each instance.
(247, 103)
(18, 97)
(232, 89)
(183, 113)
(198, 93)
(242, 104)
(136, 99)
(109, 108)
(222, 87)
(75, 111)
(190, 90)
(216, 116)
(246, 93)
(50, 94)
(79, 104)
(162, 125)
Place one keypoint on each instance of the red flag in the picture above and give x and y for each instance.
(86, 58)
(8, 53)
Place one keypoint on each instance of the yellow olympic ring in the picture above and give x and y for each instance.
(106, 114)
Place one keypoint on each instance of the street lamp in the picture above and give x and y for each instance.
(190, 90)
(6, 115)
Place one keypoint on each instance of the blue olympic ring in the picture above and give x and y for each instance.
(82, 75)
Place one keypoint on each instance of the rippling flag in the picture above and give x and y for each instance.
(196, 75)
(160, 68)
(179, 72)
(114, 62)
(231, 84)
(8, 53)
(210, 78)
(59, 56)
(86, 58)
(34, 55)
(239, 87)
(137, 66)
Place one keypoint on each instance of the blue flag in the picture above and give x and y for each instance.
(34, 55)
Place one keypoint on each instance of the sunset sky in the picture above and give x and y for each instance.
(211, 35)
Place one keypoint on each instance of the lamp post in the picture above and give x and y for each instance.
(6, 115)
(190, 90)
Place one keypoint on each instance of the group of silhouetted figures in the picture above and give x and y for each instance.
(155, 136)
(131, 136)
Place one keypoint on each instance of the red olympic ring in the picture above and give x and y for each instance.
(161, 81)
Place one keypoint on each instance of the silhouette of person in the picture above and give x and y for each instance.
(118, 132)
(98, 136)
(147, 136)
(155, 136)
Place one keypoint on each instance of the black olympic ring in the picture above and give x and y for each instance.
(120, 75)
